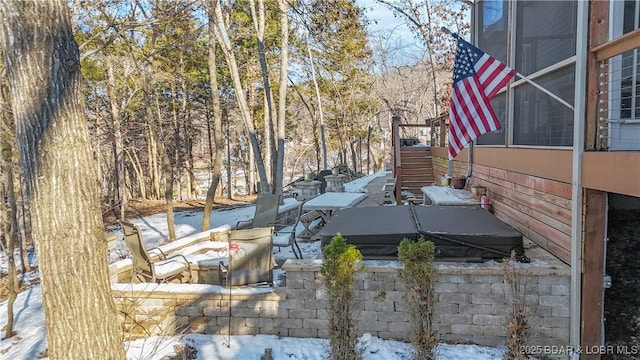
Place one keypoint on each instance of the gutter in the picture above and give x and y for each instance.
(579, 118)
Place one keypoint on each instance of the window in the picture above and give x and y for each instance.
(624, 82)
(545, 34)
(544, 45)
(493, 37)
(499, 104)
(541, 120)
(493, 16)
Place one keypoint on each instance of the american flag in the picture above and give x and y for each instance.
(477, 77)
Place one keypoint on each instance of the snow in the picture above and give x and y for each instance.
(444, 195)
(30, 341)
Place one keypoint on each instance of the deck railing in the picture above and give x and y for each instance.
(615, 93)
(396, 143)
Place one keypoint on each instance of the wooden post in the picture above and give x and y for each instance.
(595, 218)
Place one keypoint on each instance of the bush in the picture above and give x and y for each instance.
(341, 262)
(518, 330)
(418, 276)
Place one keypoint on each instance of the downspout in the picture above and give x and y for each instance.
(576, 177)
(474, 21)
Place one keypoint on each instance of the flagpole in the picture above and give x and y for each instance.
(556, 97)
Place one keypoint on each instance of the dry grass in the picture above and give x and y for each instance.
(139, 208)
(4, 286)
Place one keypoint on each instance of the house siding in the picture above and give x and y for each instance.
(526, 189)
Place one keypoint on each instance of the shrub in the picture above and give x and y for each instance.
(341, 262)
(418, 276)
(518, 329)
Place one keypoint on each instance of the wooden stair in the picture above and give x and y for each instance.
(417, 170)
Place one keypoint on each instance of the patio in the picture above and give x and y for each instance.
(472, 299)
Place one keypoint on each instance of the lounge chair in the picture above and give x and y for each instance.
(287, 236)
(252, 263)
(265, 214)
(152, 265)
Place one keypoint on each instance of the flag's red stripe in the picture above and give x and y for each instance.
(454, 127)
(470, 108)
(471, 114)
(481, 105)
(493, 75)
(464, 115)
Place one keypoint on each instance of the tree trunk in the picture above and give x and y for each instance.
(60, 176)
(218, 138)
(258, 15)
(152, 137)
(121, 197)
(170, 164)
(11, 237)
(137, 169)
(222, 37)
(282, 96)
(24, 253)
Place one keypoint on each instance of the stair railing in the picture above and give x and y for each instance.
(397, 159)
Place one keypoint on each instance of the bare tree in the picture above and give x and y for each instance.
(427, 18)
(218, 138)
(282, 96)
(222, 37)
(60, 175)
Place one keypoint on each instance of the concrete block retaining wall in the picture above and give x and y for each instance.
(471, 305)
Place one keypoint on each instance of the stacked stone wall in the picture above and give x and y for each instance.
(472, 305)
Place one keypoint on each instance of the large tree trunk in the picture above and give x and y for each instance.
(60, 174)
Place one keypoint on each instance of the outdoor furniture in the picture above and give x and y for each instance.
(286, 237)
(311, 221)
(266, 212)
(323, 206)
(252, 261)
(112, 241)
(448, 196)
(152, 265)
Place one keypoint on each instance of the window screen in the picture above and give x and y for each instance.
(541, 120)
(499, 105)
(545, 34)
(623, 93)
(492, 39)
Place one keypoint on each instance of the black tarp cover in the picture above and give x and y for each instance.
(458, 232)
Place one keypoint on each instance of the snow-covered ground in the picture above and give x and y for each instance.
(31, 340)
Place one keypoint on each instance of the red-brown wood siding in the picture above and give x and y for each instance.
(530, 189)
(617, 172)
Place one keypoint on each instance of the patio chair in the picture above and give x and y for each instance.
(152, 265)
(253, 263)
(266, 212)
(287, 236)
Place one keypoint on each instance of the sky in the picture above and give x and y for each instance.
(392, 33)
(384, 21)
(31, 340)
